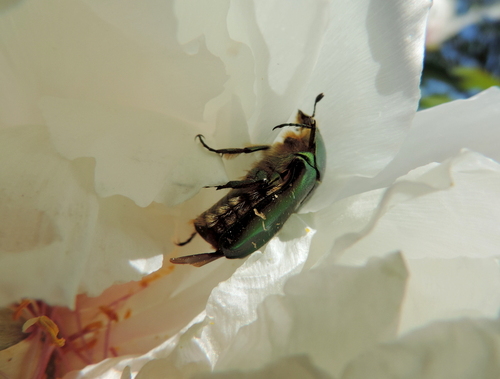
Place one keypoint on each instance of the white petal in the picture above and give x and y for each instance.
(233, 303)
(45, 202)
(445, 289)
(369, 69)
(441, 132)
(266, 76)
(459, 221)
(449, 237)
(72, 50)
(57, 232)
(152, 314)
(461, 350)
(142, 155)
(294, 367)
(331, 313)
(285, 56)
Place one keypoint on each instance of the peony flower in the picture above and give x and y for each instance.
(100, 170)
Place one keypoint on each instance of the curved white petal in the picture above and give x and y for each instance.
(448, 235)
(441, 132)
(452, 220)
(85, 198)
(142, 155)
(57, 232)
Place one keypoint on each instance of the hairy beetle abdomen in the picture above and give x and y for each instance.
(225, 214)
(243, 221)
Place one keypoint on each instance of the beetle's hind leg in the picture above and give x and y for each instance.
(233, 151)
(197, 260)
(186, 241)
(239, 184)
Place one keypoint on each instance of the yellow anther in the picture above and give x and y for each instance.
(48, 326)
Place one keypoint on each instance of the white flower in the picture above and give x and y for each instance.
(101, 105)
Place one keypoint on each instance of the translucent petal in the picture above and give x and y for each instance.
(266, 76)
(285, 46)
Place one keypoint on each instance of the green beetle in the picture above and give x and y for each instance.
(260, 203)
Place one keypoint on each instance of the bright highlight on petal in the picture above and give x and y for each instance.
(147, 266)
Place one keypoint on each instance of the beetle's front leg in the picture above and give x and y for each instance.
(233, 151)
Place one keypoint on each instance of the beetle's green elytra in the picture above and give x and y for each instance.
(258, 205)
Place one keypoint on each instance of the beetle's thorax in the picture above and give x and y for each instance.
(279, 156)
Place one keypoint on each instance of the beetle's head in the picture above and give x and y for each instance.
(315, 144)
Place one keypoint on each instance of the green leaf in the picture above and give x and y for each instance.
(475, 78)
(433, 100)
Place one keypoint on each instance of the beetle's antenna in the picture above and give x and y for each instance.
(318, 99)
(312, 135)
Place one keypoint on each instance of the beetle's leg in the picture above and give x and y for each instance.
(233, 151)
(239, 184)
(292, 124)
(186, 241)
(197, 260)
(257, 178)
